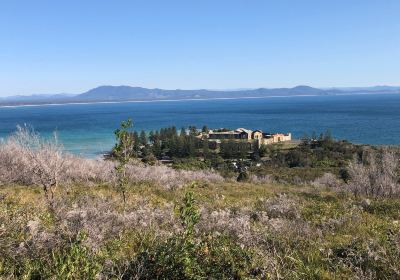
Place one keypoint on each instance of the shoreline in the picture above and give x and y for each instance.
(191, 99)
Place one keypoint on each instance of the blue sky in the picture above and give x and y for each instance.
(74, 45)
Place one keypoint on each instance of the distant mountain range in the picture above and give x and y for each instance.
(128, 93)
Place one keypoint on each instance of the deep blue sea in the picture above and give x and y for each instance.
(87, 129)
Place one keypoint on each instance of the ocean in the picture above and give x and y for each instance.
(87, 129)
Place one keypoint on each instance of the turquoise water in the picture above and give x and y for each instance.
(87, 129)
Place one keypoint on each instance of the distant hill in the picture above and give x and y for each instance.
(119, 93)
(128, 93)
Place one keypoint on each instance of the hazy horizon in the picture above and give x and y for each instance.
(208, 89)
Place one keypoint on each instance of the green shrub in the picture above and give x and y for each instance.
(73, 261)
(384, 208)
(185, 256)
(190, 164)
(212, 257)
(243, 176)
(367, 256)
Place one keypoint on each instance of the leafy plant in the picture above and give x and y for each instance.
(123, 151)
(75, 262)
(187, 256)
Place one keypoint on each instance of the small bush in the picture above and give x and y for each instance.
(74, 262)
(185, 256)
(243, 176)
(377, 176)
(70, 261)
(282, 207)
(190, 164)
(327, 180)
(263, 179)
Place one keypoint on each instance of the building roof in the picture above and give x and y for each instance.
(222, 132)
(240, 130)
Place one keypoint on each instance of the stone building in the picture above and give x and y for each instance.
(256, 137)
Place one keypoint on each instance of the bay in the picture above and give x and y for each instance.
(87, 129)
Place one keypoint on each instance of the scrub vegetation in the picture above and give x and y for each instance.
(321, 209)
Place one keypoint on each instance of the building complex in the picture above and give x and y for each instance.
(253, 137)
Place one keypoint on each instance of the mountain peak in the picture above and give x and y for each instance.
(304, 87)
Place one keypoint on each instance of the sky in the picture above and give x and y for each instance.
(71, 46)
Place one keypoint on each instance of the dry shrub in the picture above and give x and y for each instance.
(13, 167)
(327, 180)
(99, 219)
(282, 207)
(377, 177)
(102, 221)
(225, 221)
(263, 179)
(27, 159)
(30, 159)
(168, 177)
(87, 171)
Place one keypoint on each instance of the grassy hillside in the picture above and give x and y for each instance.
(324, 209)
(244, 231)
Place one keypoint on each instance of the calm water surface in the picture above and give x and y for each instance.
(87, 129)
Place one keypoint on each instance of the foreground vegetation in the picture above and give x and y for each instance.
(223, 231)
(64, 217)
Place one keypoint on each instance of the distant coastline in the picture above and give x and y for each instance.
(154, 100)
(124, 94)
(188, 99)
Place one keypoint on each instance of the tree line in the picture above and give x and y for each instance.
(187, 142)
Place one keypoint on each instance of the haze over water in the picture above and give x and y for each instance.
(87, 129)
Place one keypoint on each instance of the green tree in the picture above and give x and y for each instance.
(183, 132)
(143, 138)
(157, 149)
(148, 156)
(190, 146)
(227, 149)
(263, 150)
(136, 142)
(123, 151)
(205, 148)
(151, 137)
(242, 150)
(192, 130)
